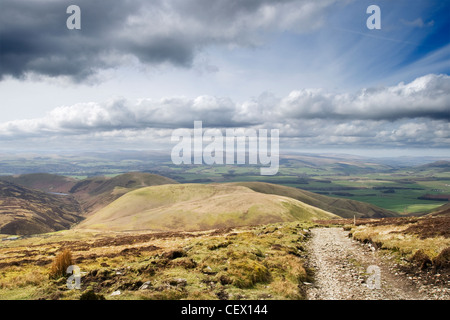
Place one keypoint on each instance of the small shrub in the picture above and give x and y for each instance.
(60, 264)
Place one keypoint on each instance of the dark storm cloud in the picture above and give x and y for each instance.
(34, 37)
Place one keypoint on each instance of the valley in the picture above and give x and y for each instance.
(226, 233)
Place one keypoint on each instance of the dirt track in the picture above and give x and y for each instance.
(341, 272)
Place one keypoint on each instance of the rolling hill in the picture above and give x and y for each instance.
(24, 211)
(190, 207)
(344, 208)
(92, 193)
(95, 193)
(445, 165)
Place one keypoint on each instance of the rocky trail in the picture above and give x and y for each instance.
(348, 270)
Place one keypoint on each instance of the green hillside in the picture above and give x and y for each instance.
(190, 207)
(345, 208)
(95, 193)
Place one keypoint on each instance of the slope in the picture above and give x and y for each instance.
(24, 211)
(345, 208)
(92, 193)
(95, 193)
(190, 207)
(442, 211)
(42, 181)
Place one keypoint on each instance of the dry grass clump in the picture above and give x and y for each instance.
(421, 259)
(442, 261)
(60, 264)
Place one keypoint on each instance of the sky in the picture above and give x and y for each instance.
(138, 70)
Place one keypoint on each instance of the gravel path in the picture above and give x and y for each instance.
(341, 271)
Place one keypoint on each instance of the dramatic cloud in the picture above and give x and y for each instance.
(413, 114)
(121, 114)
(34, 37)
(427, 96)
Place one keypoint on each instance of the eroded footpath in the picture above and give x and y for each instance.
(347, 270)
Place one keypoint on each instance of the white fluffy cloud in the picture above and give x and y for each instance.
(428, 96)
(415, 113)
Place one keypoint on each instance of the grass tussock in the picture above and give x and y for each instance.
(442, 261)
(60, 264)
(246, 273)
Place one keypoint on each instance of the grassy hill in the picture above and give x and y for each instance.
(345, 208)
(24, 211)
(95, 193)
(190, 207)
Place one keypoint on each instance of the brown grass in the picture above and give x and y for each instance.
(60, 264)
(442, 261)
(262, 262)
(431, 227)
